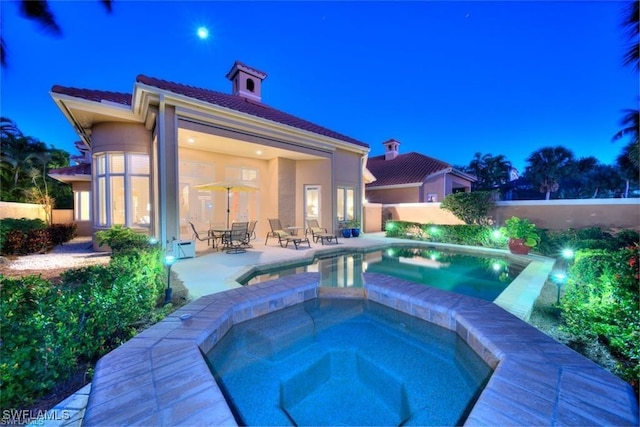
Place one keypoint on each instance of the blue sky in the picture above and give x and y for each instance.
(446, 79)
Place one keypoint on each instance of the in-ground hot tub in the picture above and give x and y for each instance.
(346, 362)
(160, 377)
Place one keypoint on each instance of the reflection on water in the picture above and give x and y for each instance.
(478, 276)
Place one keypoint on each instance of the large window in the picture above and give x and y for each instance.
(122, 190)
(346, 203)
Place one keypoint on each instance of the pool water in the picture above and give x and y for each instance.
(346, 362)
(471, 275)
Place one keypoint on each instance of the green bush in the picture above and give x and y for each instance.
(472, 207)
(601, 301)
(461, 234)
(122, 239)
(48, 331)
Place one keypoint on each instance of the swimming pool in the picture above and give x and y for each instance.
(467, 274)
(346, 362)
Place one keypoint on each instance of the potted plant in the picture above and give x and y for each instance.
(522, 235)
(355, 227)
(345, 229)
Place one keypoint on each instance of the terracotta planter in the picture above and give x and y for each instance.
(517, 246)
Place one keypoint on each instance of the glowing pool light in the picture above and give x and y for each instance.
(203, 33)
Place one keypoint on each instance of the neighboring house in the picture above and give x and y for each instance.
(151, 148)
(412, 177)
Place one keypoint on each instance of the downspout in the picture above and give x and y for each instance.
(162, 173)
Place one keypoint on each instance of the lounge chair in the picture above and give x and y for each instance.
(283, 237)
(236, 241)
(208, 239)
(251, 230)
(320, 233)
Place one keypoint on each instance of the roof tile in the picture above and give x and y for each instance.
(244, 105)
(406, 168)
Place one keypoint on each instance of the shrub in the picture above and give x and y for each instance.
(122, 239)
(460, 234)
(601, 302)
(472, 207)
(14, 233)
(61, 233)
(48, 331)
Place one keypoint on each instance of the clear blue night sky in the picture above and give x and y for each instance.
(446, 79)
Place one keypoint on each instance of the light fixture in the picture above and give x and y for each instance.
(259, 152)
(567, 253)
(191, 140)
(168, 261)
(559, 279)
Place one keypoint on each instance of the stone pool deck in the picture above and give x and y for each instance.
(160, 377)
(158, 355)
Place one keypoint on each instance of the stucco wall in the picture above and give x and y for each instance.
(549, 214)
(118, 136)
(21, 210)
(563, 214)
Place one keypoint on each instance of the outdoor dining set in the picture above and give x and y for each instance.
(237, 238)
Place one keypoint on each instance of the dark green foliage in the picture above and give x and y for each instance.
(470, 235)
(602, 302)
(61, 233)
(553, 242)
(122, 239)
(47, 331)
(29, 236)
(472, 208)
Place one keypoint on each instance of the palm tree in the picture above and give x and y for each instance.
(627, 166)
(491, 171)
(630, 24)
(548, 166)
(38, 10)
(630, 123)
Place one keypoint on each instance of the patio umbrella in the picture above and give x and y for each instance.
(228, 186)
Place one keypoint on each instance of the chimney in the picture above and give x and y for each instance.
(246, 81)
(391, 149)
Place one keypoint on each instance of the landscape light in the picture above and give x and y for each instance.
(434, 230)
(567, 253)
(496, 234)
(559, 279)
(153, 240)
(168, 261)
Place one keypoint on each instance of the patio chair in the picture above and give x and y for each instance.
(208, 239)
(251, 230)
(236, 240)
(283, 237)
(320, 233)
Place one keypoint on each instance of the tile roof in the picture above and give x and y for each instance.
(94, 95)
(406, 168)
(233, 102)
(244, 105)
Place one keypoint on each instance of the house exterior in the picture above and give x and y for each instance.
(412, 177)
(150, 149)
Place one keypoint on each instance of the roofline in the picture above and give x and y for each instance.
(67, 179)
(64, 101)
(144, 94)
(395, 186)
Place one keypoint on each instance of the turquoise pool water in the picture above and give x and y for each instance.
(471, 275)
(346, 362)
